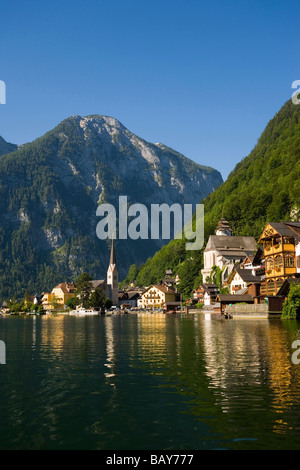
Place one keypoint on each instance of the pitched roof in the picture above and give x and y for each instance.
(295, 226)
(237, 253)
(282, 228)
(162, 288)
(246, 275)
(235, 298)
(285, 229)
(133, 295)
(165, 289)
(66, 287)
(238, 244)
(209, 288)
(242, 291)
(98, 283)
(284, 289)
(258, 257)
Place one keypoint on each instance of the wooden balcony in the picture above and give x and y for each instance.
(282, 272)
(279, 248)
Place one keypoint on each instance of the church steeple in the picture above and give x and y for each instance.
(112, 276)
(112, 254)
(223, 228)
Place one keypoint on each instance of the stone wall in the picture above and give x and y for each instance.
(250, 310)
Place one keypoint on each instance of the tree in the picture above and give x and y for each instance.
(131, 275)
(27, 296)
(291, 307)
(215, 276)
(199, 305)
(15, 306)
(55, 303)
(108, 303)
(97, 298)
(72, 303)
(84, 289)
(41, 309)
(188, 271)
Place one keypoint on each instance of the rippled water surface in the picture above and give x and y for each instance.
(149, 382)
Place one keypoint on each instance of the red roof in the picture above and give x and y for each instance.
(66, 287)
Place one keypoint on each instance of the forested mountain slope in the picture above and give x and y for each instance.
(264, 186)
(50, 190)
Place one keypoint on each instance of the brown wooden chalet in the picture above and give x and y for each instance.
(279, 240)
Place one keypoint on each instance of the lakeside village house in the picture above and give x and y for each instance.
(60, 294)
(253, 273)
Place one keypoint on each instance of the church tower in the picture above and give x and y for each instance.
(224, 228)
(112, 276)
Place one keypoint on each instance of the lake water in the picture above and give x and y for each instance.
(149, 381)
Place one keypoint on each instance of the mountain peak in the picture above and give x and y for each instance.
(6, 147)
(52, 187)
(96, 119)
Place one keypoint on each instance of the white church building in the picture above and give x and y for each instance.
(226, 250)
(113, 277)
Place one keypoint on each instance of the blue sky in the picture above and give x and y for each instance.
(203, 77)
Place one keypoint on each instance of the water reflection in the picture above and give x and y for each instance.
(152, 339)
(110, 350)
(247, 364)
(149, 381)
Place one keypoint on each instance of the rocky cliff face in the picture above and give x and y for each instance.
(50, 190)
(108, 159)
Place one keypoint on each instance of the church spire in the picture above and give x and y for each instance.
(112, 276)
(112, 254)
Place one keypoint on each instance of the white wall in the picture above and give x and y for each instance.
(297, 248)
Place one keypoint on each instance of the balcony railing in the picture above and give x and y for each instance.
(278, 248)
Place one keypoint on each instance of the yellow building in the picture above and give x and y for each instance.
(58, 297)
(280, 244)
(155, 296)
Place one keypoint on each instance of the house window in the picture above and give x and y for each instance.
(289, 261)
(288, 240)
(269, 264)
(271, 287)
(277, 241)
(278, 262)
(268, 245)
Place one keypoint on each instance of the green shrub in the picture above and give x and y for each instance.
(291, 307)
(199, 305)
